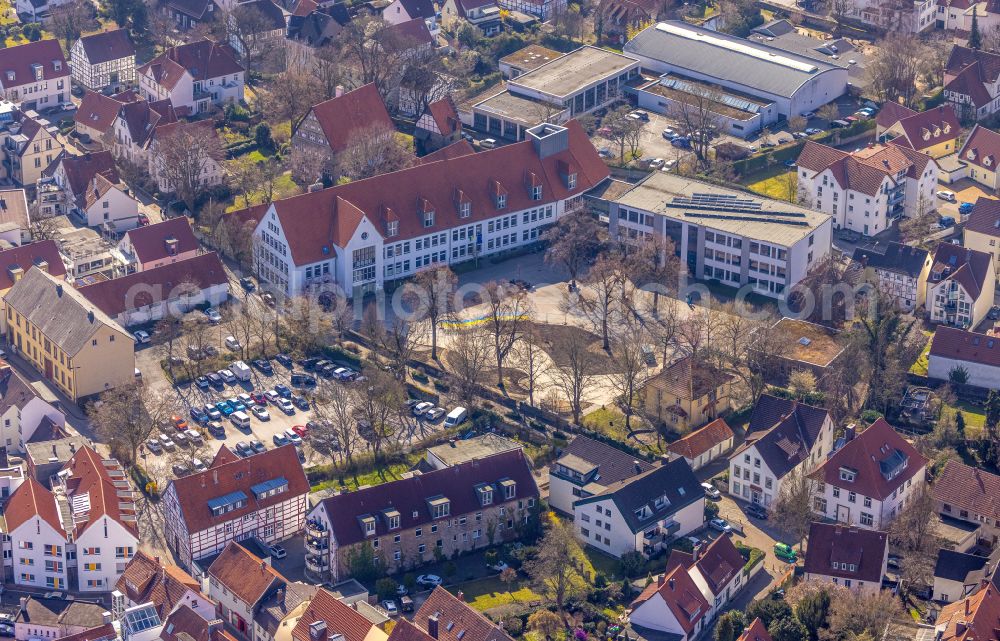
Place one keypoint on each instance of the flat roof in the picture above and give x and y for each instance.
(463, 450)
(699, 203)
(808, 342)
(531, 57)
(572, 72)
(517, 108)
(679, 94)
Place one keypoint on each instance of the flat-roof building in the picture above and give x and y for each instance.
(723, 234)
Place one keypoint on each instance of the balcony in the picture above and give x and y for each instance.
(317, 545)
(317, 563)
(316, 528)
(896, 197)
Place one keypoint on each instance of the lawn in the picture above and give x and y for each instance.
(608, 421)
(375, 477)
(491, 592)
(778, 182)
(599, 562)
(975, 417)
(284, 187)
(919, 366)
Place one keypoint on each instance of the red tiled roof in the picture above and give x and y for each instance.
(184, 624)
(830, 542)
(312, 222)
(339, 617)
(409, 496)
(406, 631)
(98, 111)
(986, 64)
(142, 118)
(974, 618)
(957, 344)
(413, 32)
(971, 488)
(223, 456)
(89, 475)
(340, 117)
(105, 632)
(29, 500)
(457, 621)
(195, 490)
(202, 60)
(891, 113)
(152, 286)
(702, 440)
(864, 454)
(445, 115)
(681, 595)
(107, 46)
(755, 632)
(969, 82)
(150, 242)
(20, 61)
(148, 580)
(80, 170)
(454, 150)
(719, 562)
(968, 267)
(247, 576)
(27, 256)
(931, 127)
(985, 217)
(95, 191)
(682, 379)
(981, 148)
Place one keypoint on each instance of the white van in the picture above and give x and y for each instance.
(456, 417)
(240, 420)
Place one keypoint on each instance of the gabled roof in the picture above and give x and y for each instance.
(613, 465)
(789, 430)
(150, 242)
(98, 188)
(985, 217)
(673, 481)
(141, 118)
(932, 127)
(445, 115)
(32, 499)
(14, 390)
(718, 563)
(460, 147)
(59, 311)
(148, 580)
(193, 8)
(100, 482)
(81, 170)
(410, 496)
(891, 113)
(985, 63)
(680, 594)
(246, 575)
(184, 624)
(356, 110)
(14, 208)
(967, 267)
(412, 33)
(203, 60)
(755, 632)
(416, 8)
(105, 632)
(880, 458)
(21, 60)
(274, 610)
(969, 82)
(60, 612)
(406, 631)
(831, 543)
(107, 46)
(981, 148)
(98, 111)
(687, 380)
(702, 440)
(457, 620)
(893, 257)
(974, 618)
(273, 17)
(313, 222)
(865, 170)
(194, 491)
(27, 256)
(969, 488)
(339, 617)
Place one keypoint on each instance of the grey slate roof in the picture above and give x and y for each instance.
(674, 479)
(60, 312)
(613, 464)
(54, 612)
(714, 61)
(789, 430)
(957, 566)
(894, 257)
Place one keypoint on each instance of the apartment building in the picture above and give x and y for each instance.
(35, 75)
(686, 395)
(43, 254)
(852, 557)
(148, 580)
(869, 189)
(79, 535)
(898, 270)
(23, 412)
(870, 479)
(211, 171)
(262, 496)
(972, 82)
(793, 437)
(966, 493)
(104, 60)
(934, 132)
(592, 464)
(391, 226)
(239, 582)
(64, 183)
(769, 245)
(415, 520)
(982, 229)
(960, 286)
(151, 246)
(194, 77)
(66, 338)
(134, 126)
(30, 146)
(55, 618)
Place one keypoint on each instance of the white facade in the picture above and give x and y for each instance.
(17, 426)
(980, 374)
(601, 525)
(115, 206)
(214, 296)
(845, 506)
(948, 302)
(38, 554)
(96, 76)
(40, 94)
(655, 614)
(196, 95)
(102, 552)
(922, 17)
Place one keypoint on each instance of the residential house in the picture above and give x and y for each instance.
(66, 338)
(855, 558)
(185, 624)
(981, 231)
(65, 181)
(869, 480)
(168, 290)
(170, 241)
(898, 270)
(756, 631)
(35, 75)
(44, 458)
(980, 153)
(263, 496)
(959, 574)
(212, 172)
(327, 615)
(484, 14)
(148, 580)
(23, 411)
(43, 254)
(400, 11)
(187, 14)
(645, 513)
(686, 395)
(934, 132)
(136, 126)
(30, 148)
(414, 520)
(329, 126)
(704, 445)
(15, 221)
(310, 29)
(439, 126)
(54, 618)
(458, 451)
(194, 76)
(446, 212)
(80, 534)
(805, 346)
(280, 610)
(104, 60)
(621, 17)
(587, 466)
(969, 494)
(108, 205)
(783, 437)
(868, 189)
(446, 617)
(960, 286)
(971, 82)
(956, 15)
(674, 604)
(96, 115)
(84, 251)
(971, 618)
(915, 17)
(268, 22)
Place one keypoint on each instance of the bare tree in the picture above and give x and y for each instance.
(469, 354)
(380, 397)
(290, 94)
(697, 114)
(598, 300)
(374, 51)
(574, 372)
(859, 615)
(630, 372)
(375, 150)
(792, 511)
(307, 164)
(892, 69)
(573, 241)
(250, 28)
(529, 355)
(432, 291)
(305, 325)
(335, 411)
(399, 340)
(128, 416)
(68, 21)
(183, 155)
(556, 567)
(241, 325)
(624, 131)
(195, 334)
(507, 312)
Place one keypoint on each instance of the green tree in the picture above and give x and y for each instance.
(769, 611)
(787, 629)
(386, 588)
(975, 38)
(556, 567)
(813, 611)
(730, 626)
(546, 623)
(262, 136)
(631, 563)
(960, 423)
(361, 562)
(958, 375)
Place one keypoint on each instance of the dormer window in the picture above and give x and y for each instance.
(501, 201)
(439, 506)
(570, 182)
(947, 128)
(391, 519)
(660, 502)
(367, 524)
(428, 219)
(987, 161)
(536, 192)
(509, 488)
(464, 210)
(485, 493)
(847, 474)
(38, 70)
(971, 154)
(392, 228)
(57, 65)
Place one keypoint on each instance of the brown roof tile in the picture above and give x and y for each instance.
(457, 621)
(687, 381)
(719, 562)
(248, 577)
(107, 46)
(360, 109)
(981, 148)
(149, 580)
(203, 60)
(98, 111)
(970, 488)
(150, 242)
(105, 632)
(80, 170)
(755, 632)
(14, 208)
(31, 499)
(974, 618)
(985, 217)
(702, 440)
(88, 474)
(19, 60)
(932, 127)
(27, 256)
(968, 267)
(184, 624)
(830, 542)
(681, 595)
(891, 113)
(339, 618)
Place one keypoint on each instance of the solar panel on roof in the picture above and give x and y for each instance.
(141, 618)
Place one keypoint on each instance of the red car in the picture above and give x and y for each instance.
(180, 423)
(301, 430)
(258, 399)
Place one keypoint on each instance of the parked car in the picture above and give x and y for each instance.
(309, 364)
(180, 423)
(141, 336)
(813, 130)
(421, 408)
(213, 412)
(179, 470)
(263, 367)
(285, 360)
(247, 284)
(233, 344)
(292, 437)
(202, 382)
(237, 405)
(429, 580)
(154, 446)
(215, 379)
(303, 380)
(199, 414)
(279, 440)
(946, 195)
(243, 449)
(965, 208)
(217, 429)
(434, 414)
(301, 430)
(808, 114)
(721, 525)
(785, 552)
(710, 491)
(258, 398)
(258, 446)
(277, 551)
(246, 399)
(268, 299)
(344, 373)
(225, 408)
(213, 315)
(261, 413)
(194, 436)
(286, 406)
(283, 390)
(390, 608)
(167, 443)
(271, 396)
(227, 376)
(301, 402)
(499, 566)
(756, 511)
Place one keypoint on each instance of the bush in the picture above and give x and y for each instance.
(262, 136)
(711, 510)
(386, 588)
(631, 564)
(236, 112)
(420, 377)
(514, 626)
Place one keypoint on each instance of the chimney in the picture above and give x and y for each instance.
(339, 91)
(850, 432)
(661, 579)
(317, 630)
(451, 442)
(59, 290)
(171, 245)
(72, 446)
(42, 264)
(460, 595)
(53, 449)
(15, 272)
(263, 566)
(106, 617)
(637, 467)
(432, 625)
(967, 608)
(90, 315)
(5, 372)
(24, 602)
